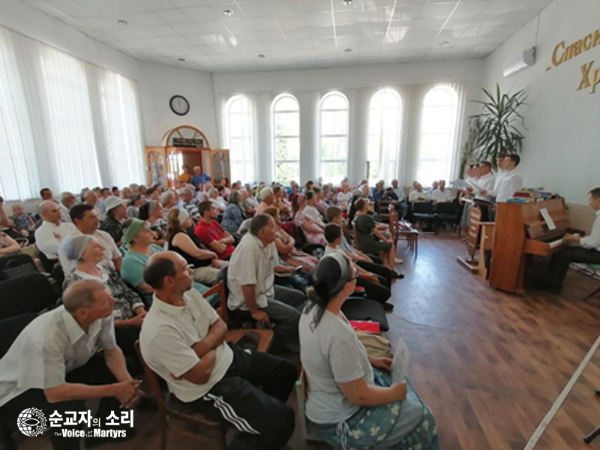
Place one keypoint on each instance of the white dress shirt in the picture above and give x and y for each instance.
(506, 185)
(485, 183)
(49, 236)
(252, 263)
(399, 191)
(166, 340)
(64, 214)
(593, 240)
(442, 196)
(416, 196)
(49, 348)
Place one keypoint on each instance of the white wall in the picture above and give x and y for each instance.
(158, 83)
(562, 143)
(358, 84)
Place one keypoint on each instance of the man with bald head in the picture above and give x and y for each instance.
(91, 198)
(52, 231)
(183, 340)
(54, 365)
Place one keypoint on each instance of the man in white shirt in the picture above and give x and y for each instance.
(509, 182)
(91, 198)
(52, 231)
(86, 221)
(486, 179)
(584, 250)
(417, 194)
(67, 201)
(54, 365)
(252, 293)
(441, 194)
(183, 340)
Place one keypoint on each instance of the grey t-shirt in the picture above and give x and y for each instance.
(331, 353)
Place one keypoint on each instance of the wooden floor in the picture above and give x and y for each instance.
(490, 365)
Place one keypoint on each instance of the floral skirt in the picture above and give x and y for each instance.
(406, 425)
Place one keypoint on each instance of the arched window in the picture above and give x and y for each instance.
(438, 130)
(385, 128)
(286, 138)
(334, 138)
(240, 138)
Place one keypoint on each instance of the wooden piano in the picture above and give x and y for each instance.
(520, 233)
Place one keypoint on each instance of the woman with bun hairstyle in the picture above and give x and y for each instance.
(351, 399)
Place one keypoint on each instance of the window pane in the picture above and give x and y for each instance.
(287, 149)
(333, 172)
(240, 138)
(334, 148)
(286, 103)
(287, 171)
(334, 101)
(287, 124)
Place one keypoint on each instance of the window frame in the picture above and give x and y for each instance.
(346, 136)
(275, 137)
(250, 137)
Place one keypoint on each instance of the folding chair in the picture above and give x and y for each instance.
(448, 211)
(425, 211)
(26, 294)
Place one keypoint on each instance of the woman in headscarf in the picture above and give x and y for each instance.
(234, 213)
(129, 309)
(139, 241)
(205, 263)
(352, 400)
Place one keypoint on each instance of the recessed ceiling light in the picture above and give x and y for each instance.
(228, 12)
(122, 22)
(261, 56)
(348, 50)
(347, 2)
(444, 44)
(181, 60)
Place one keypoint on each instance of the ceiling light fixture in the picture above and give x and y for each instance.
(181, 60)
(261, 56)
(122, 23)
(228, 12)
(348, 50)
(347, 2)
(444, 44)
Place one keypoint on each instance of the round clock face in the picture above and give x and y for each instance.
(179, 105)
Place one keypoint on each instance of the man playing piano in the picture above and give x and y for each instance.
(582, 249)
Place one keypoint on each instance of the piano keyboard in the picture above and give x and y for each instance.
(556, 243)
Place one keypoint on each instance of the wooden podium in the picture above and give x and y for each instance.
(479, 240)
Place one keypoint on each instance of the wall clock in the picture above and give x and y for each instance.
(179, 105)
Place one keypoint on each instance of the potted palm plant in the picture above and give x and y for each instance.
(500, 124)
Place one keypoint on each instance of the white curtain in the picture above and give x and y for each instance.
(65, 123)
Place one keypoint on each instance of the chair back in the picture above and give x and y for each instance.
(11, 328)
(423, 207)
(26, 294)
(12, 266)
(449, 208)
(47, 264)
(152, 379)
(219, 288)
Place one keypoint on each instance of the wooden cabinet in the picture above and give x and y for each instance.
(164, 163)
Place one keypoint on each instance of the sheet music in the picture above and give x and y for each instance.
(400, 361)
(547, 218)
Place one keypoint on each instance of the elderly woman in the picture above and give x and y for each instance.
(216, 199)
(168, 200)
(129, 310)
(313, 231)
(205, 263)
(133, 208)
(139, 240)
(126, 193)
(370, 239)
(267, 200)
(352, 400)
(152, 212)
(234, 213)
(288, 253)
(344, 197)
(311, 209)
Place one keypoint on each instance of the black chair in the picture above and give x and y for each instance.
(449, 212)
(27, 294)
(47, 264)
(15, 265)
(425, 211)
(59, 277)
(11, 328)
(312, 249)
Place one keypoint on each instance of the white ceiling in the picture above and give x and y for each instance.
(296, 33)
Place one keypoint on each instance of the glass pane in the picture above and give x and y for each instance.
(440, 96)
(334, 148)
(235, 105)
(286, 172)
(437, 119)
(374, 172)
(333, 172)
(287, 124)
(374, 148)
(340, 122)
(434, 146)
(431, 170)
(328, 122)
(287, 149)
(286, 103)
(334, 101)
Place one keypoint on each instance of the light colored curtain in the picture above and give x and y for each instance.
(69, 124)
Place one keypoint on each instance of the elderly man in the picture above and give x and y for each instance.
(183, 340)
(91, 198)
(86, 221)
(187, 196)
(441, 194)
(252, 292)
(116, 213)
(67, 201)
(199, 177)
(418, 194)
(52, 231)
(54, 364)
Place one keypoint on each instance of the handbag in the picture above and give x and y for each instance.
(376, 345)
